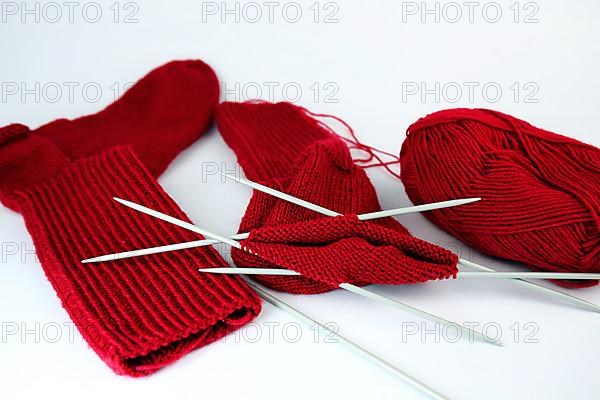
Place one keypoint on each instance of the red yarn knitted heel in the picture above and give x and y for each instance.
(279, 145)
(541, 191)
(335, 250)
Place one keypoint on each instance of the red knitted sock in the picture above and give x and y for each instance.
(162, 114)
(281, 146)
(138, 314)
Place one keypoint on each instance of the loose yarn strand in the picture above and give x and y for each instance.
(355, 144)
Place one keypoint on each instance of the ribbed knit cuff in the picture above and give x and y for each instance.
(267, 137)
(141, 313)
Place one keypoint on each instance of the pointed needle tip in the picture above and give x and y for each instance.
(593, 307)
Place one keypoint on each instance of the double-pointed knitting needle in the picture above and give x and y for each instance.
(241, 236)
(538, 288)
(462, 274)
(564, 296)
(346, 286)
(263, 293)
(267, 296)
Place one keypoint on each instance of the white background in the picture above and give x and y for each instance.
(364, 60)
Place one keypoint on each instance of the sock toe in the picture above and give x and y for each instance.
(159, 116)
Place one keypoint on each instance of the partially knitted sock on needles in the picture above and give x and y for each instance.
(137, 314)
(282, 146)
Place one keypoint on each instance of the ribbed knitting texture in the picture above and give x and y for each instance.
(279, 145)
(138, 314)
(540, 190)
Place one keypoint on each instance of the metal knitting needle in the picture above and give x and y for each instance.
(158, 249)
(267, 296)
(461, 274)
(241, 236)
(314, 207)
(362, 217)
(346, 286)
(529, 275)
(263, 293)
(538, 288)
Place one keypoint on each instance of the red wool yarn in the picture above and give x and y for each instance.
(540, 190)
(138, 314)
(282, 146)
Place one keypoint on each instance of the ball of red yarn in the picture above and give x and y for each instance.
(540, 190)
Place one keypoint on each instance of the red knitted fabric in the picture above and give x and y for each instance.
(137, 314)
(281, 146)
(541, 191)
(162, 114)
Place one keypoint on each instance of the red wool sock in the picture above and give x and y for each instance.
(138, 314)
(282, 146)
